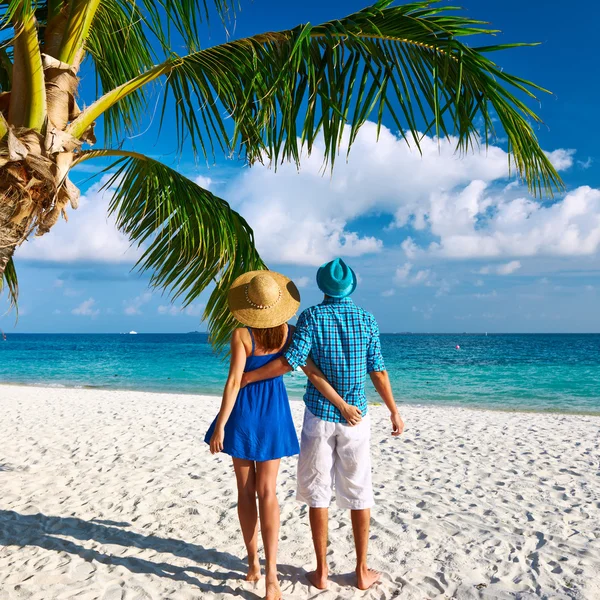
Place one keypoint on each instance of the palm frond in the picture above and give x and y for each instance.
(11, 9)
(10, 282)
(404, 62)
(192, 238)
(28, 92)
(120, 49)
(185, 16)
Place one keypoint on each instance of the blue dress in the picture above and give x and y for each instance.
(260, 426)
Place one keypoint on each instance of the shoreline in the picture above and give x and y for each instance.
(295, 398)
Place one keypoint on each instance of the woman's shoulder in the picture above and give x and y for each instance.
(241, 335)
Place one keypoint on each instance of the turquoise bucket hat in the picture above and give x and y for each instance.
(336, 279)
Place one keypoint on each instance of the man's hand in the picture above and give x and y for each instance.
(216, 441)
(397, 424)
(245, 380)
(351, 414)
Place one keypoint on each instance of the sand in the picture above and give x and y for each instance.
(113, 495)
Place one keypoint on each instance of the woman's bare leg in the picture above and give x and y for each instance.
(245, 474)
(266, 483)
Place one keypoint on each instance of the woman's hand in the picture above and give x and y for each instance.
(351, 414)
(216, 441)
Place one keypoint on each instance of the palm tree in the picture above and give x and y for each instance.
(267, 97)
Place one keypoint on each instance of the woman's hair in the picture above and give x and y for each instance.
(270, 338)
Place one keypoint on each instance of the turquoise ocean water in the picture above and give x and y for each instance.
(523, 372)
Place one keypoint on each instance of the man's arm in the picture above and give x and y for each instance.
(381, 381)
(351, 414)
(275, 368)
(380, 378)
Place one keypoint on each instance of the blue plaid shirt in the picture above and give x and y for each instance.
(343, 340)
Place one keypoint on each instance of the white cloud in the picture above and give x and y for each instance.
(204, 182)
(509, 268)
(133, 307)
(523, 227)
(467, 204)
(388, 293)
(426, 311)
(90, 234)
(302, 282)
(492, 294)
(403, 272)
(86, 309)
(422, 276)
(193, 310)
(409, 247)
(458, 208)
(562, 158)
(407, 276)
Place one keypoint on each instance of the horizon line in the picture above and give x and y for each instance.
(484, 333)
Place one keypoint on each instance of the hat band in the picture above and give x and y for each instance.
(261, 306)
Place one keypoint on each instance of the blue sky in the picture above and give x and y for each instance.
(439, 243)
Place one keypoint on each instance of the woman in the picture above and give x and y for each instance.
(254, 425)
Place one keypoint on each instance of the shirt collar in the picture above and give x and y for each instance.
(330, 300)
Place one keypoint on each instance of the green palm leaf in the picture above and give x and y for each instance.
(405, 62)
(119, 47)
(192, 239)
(185, 16)
(10, 282)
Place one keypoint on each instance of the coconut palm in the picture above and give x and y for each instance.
(267, 97)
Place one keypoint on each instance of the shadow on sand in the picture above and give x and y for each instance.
(40, 530)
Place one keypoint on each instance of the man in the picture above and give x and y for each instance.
(343, 341)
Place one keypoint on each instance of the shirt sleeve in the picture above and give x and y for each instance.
(301, 343)
(374, 356)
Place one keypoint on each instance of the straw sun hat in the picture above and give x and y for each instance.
(263, 299)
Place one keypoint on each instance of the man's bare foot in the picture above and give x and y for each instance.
(273, 591)
(318, 579)
(254, 573)
(366, 578)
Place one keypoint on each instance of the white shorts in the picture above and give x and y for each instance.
(335, 454)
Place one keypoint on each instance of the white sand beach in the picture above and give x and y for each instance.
(114, 496)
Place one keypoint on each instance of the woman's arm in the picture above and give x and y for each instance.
(237, 363)
(351, 414)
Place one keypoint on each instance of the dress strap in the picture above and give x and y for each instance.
(252, 338)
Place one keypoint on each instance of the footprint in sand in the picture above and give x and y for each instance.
(114, 593)
(83, 571)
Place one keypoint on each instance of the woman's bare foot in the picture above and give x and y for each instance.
(318, 579)
(366, 578)
(254, 573)
(273, 590)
